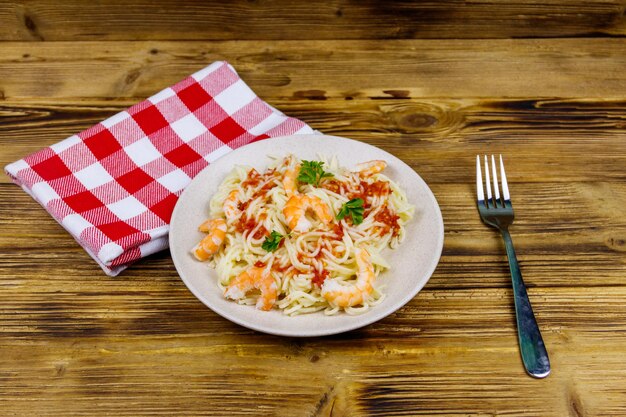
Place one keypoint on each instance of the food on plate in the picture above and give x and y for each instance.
(304, 236)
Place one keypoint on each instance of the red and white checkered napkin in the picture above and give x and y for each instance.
(114, 186)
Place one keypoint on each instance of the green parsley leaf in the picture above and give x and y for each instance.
(272, 242)
(354, 209)
(311, 172)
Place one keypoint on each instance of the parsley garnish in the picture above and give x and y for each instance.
(311, 172)
(272, 242)
(354, 209)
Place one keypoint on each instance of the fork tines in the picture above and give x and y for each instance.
(492, 201)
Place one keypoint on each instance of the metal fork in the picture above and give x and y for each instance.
(498, 212)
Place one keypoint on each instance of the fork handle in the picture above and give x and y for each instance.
(533, 350)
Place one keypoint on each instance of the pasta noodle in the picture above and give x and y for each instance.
(304, 236)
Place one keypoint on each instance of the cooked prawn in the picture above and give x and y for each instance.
(370, 167)
(258, 278)
(289, 181)
(231, 205)
(216, 229)
(354, 294)
(296, 208)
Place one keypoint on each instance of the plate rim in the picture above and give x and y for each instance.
(315, 332)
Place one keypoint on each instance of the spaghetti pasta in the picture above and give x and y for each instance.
(305, 236)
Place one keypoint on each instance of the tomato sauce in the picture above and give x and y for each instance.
(375, 189)
(243, 206)
(338, 230)
(320, 277)
(248, 225)
(378, 189)
(254, 178)
(331, 185)
(244, 224)
(389, 218)
(262, 231)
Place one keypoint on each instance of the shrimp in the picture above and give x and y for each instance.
(370, 167)
(258, 278)
(297, 206)
(289, 181)
(216, 229)
(351, 295)
(231, 206)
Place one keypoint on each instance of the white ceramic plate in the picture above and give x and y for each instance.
(411, 264)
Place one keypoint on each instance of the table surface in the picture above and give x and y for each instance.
(434, 83)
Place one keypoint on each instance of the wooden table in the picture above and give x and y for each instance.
(435, 84)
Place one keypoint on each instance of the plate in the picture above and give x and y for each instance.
(412, 263)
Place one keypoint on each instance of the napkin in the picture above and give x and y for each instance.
(113, 187)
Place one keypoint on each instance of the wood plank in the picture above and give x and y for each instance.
(75, 342)
(555, 248)
(42, 307)
(558, 171)
(336, 19)
(563, 68)
(543, 140)
(102, 352)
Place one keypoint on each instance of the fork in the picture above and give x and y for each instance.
(498, 212)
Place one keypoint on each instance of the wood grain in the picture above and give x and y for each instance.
(473, 254)
(92, 337)
(73, 20)
(578, 138)
(74, 342)
(561, 68)
(120, 348)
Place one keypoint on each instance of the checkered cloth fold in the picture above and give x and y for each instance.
(113, 186)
